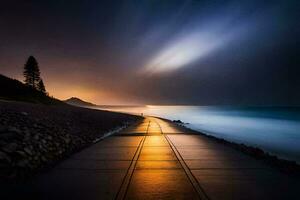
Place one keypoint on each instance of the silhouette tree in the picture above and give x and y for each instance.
(41, 86)
(31, 72)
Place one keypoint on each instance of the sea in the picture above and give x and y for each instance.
(276, 130)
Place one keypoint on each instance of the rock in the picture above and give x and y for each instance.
(21, 153)
(178, 121)
(9, 148)
(28, 151)
(40, 146)
(4, 156)
(22, 163)
(36, 158)
(27, 136)
(24, 113)
(67, 140)
(14, 130)
(36, 137)
(26, 131)
(43, 158)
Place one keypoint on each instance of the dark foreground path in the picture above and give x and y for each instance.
(159, 160)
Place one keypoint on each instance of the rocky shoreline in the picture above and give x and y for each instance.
(34, 137)
(286, 166)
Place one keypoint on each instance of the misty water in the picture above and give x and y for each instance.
(274, 129)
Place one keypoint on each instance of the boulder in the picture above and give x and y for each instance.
(14, 130)
(11, 147)
(4, 157)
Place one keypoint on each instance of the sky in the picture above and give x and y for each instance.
(157, 51)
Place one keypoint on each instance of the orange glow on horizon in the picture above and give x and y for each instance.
(96, 96)
(64, 88)
(65, 93)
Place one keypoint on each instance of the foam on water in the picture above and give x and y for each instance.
(274, 129)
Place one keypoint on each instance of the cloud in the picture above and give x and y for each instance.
(184, 51)
(199, 38)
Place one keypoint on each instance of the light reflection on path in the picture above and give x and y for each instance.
(275, 130)
(143, 162)
(174, 163)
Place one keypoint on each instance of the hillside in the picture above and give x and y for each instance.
(78, 102)
(15, 90)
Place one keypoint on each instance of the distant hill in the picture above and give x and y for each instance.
(78, 102)
(14, 90)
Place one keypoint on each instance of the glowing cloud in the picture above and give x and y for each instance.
(186, 50)
(196, 42)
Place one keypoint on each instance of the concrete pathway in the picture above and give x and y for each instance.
(159, 160)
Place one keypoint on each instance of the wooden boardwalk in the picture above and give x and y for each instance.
(156, 159)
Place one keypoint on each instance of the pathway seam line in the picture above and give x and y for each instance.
(126, 181)
(192, 179)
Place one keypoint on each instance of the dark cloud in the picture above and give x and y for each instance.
(233, 52)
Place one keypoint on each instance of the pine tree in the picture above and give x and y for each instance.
(41, 86)
(31, 72)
